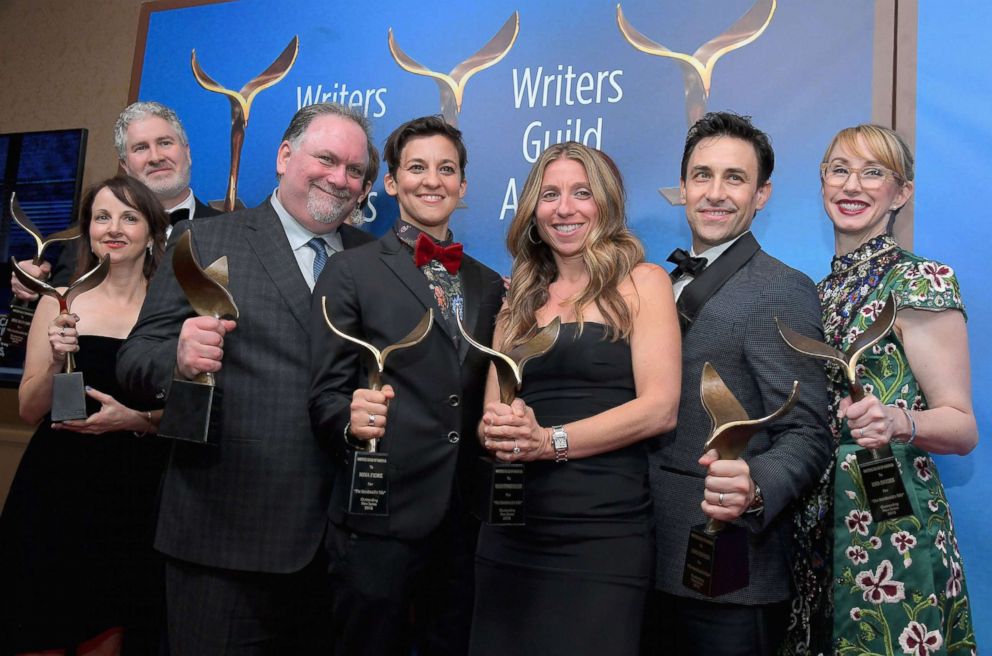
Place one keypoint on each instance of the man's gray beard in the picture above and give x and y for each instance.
(325, 208)
(167, 189)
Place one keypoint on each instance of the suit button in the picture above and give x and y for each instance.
(453, 400)
(453, 437)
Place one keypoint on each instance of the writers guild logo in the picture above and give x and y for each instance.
(241, 106)
(697, 68)
(452, 85)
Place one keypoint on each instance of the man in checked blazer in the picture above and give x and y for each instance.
(242, 522)
(727, 306)
(405, 579)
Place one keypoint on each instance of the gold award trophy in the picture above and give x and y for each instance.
(502, 499)
(716, 560)
(697, 68)
(22, 312)
(369, 491)
(68, 390)
(884, 488)
(241, 106)
(452, 85)
(192, 410)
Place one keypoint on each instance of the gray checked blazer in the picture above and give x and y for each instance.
(257, 501)
(735, 331)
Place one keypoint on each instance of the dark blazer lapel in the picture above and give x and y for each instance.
(352, 236)
(471, 275)
(695, 295)
(400, 262)
(268, 240)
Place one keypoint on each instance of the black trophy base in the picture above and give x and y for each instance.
(192, 413)
(369, 491)
(884, 488)
(68, 397)
(716, 564)
(500, 501)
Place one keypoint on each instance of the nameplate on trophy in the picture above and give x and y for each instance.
(501, 500)
(717, 563)
(369, 493)
(884, 489)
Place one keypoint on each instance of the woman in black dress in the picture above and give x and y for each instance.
(574, 579)
(76, 561)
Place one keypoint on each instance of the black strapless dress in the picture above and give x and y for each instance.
(574, 579)
(76, 555)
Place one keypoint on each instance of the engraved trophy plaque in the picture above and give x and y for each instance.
(369, 488)
(193, 409)
(501, 500)
(15, 334)
(697, 68)
(241, 107)
(68, 389)
(716, 560)
(884, 487)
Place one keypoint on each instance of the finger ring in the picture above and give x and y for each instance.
(62, 331)
(516, 449)
(371, 419)
(861, 432)
(719, 499)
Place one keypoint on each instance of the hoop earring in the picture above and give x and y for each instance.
(530, 234)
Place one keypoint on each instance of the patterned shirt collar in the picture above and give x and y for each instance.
(408, 234)
(863, 253)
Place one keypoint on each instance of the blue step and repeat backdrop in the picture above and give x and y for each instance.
(566, 70)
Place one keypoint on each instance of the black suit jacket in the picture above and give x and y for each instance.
(735, 331)
(375, 293)
(257, 501)
(65, 266)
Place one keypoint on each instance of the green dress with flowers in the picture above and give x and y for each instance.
(898, 585)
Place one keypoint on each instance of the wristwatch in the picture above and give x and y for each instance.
(758, 503)
(559, 440)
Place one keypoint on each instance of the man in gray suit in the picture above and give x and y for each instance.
(242, 522)
(728, 293)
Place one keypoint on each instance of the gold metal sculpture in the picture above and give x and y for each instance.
(452, 85)
(41, 242)
(192, 410)
(697, 68)
(716, 560)
(241, 106)
(510, 366)
(375, 360)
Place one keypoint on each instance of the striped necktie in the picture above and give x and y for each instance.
(320, 253)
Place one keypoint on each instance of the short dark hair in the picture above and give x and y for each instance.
(425, 126)
(728, 124)
(305, 116)
(133, 193)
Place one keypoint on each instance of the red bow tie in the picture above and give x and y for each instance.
(427, 250)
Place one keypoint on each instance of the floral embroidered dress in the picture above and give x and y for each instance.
(898, 585)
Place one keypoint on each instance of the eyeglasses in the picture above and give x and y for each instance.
(870, 177)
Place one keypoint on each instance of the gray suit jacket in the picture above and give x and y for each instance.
(735, 331)
(257, 501)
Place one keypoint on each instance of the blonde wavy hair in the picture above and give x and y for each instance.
(610, 252)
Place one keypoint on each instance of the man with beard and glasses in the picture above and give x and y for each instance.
(153, 148)
(242, 522)
(728, 292)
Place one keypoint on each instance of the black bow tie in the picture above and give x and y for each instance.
(178, 215)
(685, 264)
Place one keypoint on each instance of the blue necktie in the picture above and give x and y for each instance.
(320, 253)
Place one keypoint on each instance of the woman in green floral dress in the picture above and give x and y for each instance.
(898, 584)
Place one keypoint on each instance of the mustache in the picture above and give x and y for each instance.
(334, 191)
